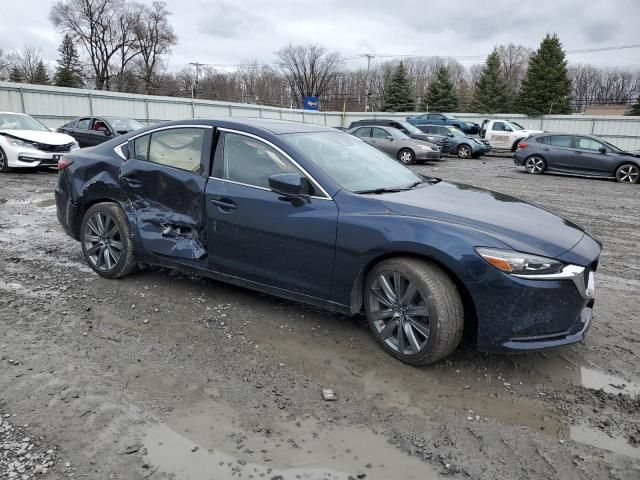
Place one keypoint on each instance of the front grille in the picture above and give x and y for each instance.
(44, 147)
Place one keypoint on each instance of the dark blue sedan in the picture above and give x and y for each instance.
(315, 215)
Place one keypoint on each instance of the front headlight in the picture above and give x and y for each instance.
(517, 263)
(74, 146)
(16, 142)
(426, 147)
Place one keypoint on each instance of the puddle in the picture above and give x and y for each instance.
(209, 442)
(558, 369)
(596, 438)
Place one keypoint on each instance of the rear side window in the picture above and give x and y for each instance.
(362, 132)
(141, 148)
(83, 124)
(178, 147)
(249, 161)
(560, 141)
(544, 140)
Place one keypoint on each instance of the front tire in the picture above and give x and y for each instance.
(628, 173)
(414, 310)
(464, 151)
(4, 162)
(535, 165)
(407, 156)
(106, 240)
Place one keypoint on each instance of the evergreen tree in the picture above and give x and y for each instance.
(635, 108)
(69, 69)
(546, 87)
(15, 75)
(397, 96)
(490, 92)
(441, 95)
(40, 75)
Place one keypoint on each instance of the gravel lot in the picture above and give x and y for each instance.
(166, 375)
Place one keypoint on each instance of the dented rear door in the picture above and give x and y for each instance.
(165, 179)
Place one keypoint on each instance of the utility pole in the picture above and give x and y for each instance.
(194, 85)
(366, 89)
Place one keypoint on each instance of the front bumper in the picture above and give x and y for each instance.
(523, 314)
(31, 158)
(428, 154)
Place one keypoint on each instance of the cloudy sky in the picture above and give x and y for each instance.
(230, 31)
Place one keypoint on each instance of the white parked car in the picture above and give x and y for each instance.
(504, 134)
(27, 143)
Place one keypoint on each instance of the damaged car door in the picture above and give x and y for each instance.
(274, 239)
(164, 179)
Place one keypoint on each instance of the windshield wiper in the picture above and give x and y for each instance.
(414, 184)
(378, 191)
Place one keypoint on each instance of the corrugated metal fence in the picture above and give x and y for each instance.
(54, 106)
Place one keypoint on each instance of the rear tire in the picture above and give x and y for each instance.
(106, 240)
(407, 156)
(414, 310)
(535, 165)
(628, 173)
(4, 162)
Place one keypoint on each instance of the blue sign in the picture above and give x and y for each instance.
(311, 103)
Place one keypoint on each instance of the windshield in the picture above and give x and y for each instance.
(124, 124)
(351, 163)
(398, 134)
(456, 132)
(13, 121)
(410, 128)
(516, 126)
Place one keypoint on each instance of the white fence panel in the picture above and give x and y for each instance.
(55, 106)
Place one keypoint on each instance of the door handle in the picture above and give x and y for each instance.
(577, 151)
(546, 149)
(224, 204)
(132, 182)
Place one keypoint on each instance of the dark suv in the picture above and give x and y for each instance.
(405, 127)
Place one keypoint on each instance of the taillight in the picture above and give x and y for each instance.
(64, 163)
(523, 145)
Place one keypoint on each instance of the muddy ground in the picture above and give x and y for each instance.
(165, 375)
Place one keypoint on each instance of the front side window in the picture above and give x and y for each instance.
(515, 126)
(379, 133)
(585, 143)
(560, 141)
(178, 147)
(498, 127)
(251, 162)
(352, 164)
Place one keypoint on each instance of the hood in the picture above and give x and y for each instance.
(521, 225)
(421, 136)
(50, 138)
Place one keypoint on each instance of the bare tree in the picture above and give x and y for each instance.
(309, 69)
(514, 60)
(5, 65)
(27, 64)
(126, 23)
(95, 24)
(155, 37)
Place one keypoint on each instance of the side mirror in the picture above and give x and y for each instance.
(289, 184)
(389, 137)
(602, 150)
(108, 133)
(450, 135)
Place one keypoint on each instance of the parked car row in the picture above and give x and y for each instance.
(395, 143)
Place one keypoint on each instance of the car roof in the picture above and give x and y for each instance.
(16, 113)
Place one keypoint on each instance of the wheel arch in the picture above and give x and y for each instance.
(514, 146)
(470, 315)
(82, 209)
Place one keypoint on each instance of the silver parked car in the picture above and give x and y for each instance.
(397, 144)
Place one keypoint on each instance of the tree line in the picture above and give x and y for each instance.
(124, 46)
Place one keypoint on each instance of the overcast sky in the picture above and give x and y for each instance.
(231, 31)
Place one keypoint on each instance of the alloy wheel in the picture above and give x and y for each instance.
(464, 151)
(406, 157)
(3, 161)
(628, 174)
(399, 313)
(102, 241)
(534, 165)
